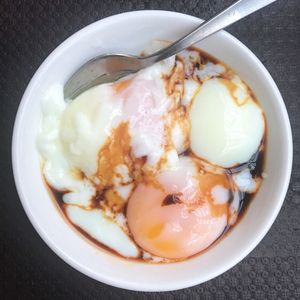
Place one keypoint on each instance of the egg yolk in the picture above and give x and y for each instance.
(183, 217)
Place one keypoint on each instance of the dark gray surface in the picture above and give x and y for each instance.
(29, 31)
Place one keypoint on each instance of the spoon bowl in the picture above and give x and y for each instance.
(111, 67)
(102, 69)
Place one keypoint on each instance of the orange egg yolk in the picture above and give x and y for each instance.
(183, 217)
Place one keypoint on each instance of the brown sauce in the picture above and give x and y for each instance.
(57, 196)
(119, 152)
(172, 199)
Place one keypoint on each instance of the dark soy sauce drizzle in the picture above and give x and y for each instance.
(172, 199)
(246, 199)
(58, 197)
(255, 164)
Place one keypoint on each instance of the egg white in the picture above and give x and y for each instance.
(223, 132)
(85, 125)
(57, 169)
(245, 182)
(97, 225)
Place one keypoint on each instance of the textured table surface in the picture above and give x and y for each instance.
(29, 31)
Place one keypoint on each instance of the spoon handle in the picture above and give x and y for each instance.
(230, 15)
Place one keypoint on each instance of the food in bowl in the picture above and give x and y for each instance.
(158, 165)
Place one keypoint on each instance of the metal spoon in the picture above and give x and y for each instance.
(111, 67)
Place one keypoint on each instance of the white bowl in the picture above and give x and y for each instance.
(131, 33)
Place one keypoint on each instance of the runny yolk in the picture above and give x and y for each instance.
(177, 229)
(120, 86)
(155, 230)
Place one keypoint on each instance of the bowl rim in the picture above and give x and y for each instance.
(101, 277)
